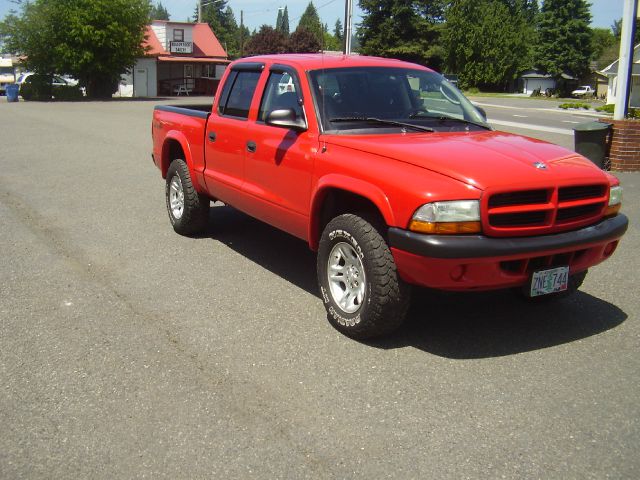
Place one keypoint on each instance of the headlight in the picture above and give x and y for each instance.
(615, 201)
(460, 216)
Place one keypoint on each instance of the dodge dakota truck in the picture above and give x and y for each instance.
(393, 177)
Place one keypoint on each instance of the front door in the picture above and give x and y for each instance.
(140, 78)
(278, 171)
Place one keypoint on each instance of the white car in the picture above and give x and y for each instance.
(584, 91)
(58, 81)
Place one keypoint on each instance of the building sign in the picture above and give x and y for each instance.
(181, 47)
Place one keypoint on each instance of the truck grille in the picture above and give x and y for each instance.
(543, 210)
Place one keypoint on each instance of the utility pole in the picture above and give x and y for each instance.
(629, 14)
(348, 18)
(199, 11)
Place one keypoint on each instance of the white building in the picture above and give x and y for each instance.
(612, 74)
(181, 59)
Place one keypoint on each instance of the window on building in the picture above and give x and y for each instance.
(235, 101)
(178, 34)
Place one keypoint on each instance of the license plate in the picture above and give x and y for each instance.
(544, 282)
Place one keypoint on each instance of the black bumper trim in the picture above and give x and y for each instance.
(474, 246)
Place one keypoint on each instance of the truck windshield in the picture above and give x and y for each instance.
(404, 95)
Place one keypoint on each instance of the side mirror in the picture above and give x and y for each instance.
(482, 111)
(286, 118)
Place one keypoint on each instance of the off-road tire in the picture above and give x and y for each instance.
(386, 297)
(195, 211)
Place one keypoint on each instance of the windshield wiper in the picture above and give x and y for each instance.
(444, 118)
(382, 121)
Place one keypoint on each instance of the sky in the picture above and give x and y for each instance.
(259, 12)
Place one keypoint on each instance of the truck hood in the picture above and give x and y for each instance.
(481, 159)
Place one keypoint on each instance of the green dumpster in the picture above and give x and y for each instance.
(591, 140)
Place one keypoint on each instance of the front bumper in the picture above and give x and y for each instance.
(469, 262)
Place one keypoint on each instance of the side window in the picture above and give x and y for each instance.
(236, 99)
(281, 92)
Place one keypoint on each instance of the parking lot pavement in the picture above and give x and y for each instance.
(131, 352)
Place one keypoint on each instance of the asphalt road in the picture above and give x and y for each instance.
(128, 351)
(538, 118)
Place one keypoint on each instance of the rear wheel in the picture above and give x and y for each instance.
(362, 292)
(188, 210)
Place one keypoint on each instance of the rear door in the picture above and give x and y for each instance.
(226, 133)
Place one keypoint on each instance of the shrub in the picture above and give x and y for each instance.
(37, 87)
(632, 113)
(473, 91)
(67, 92)
(575, 105)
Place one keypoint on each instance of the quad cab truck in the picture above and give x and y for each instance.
(393, 177)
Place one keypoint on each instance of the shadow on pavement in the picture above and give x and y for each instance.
(448, 324)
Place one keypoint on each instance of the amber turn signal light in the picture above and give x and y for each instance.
(445, 228)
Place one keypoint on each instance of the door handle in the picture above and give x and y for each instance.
(251, 146)
(212, 136)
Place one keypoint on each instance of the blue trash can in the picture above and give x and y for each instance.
(12, 92)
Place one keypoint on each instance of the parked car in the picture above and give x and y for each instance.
(584, 91)
(393, 177)
(58, 81)
(27, 78)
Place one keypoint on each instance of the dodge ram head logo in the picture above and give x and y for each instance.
(540, 165)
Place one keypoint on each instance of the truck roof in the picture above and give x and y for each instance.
(315, 61)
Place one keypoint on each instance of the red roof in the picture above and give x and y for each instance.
(205, 43)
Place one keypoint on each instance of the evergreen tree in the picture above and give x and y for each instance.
(338, 30)
(282, 23)
(564, 37)
(405, 29)
(285, 22)
(222, 21)
(310, 20)
(159, 12)
(485, 43)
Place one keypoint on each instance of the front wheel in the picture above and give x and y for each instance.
(360, 286)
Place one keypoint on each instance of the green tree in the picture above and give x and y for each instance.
(159, 12)
(601, 40)
(303, 41)
(220, 17)
(485, 43)
(282, 23)
(266, 41)
(95, 41)
(405, 29)
(338, 30)
(564, 37)
(310, 20)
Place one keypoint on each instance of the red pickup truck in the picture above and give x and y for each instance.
(393, 177)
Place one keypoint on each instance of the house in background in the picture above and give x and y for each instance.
(532, 80)
(612, 74)
(181, 59)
